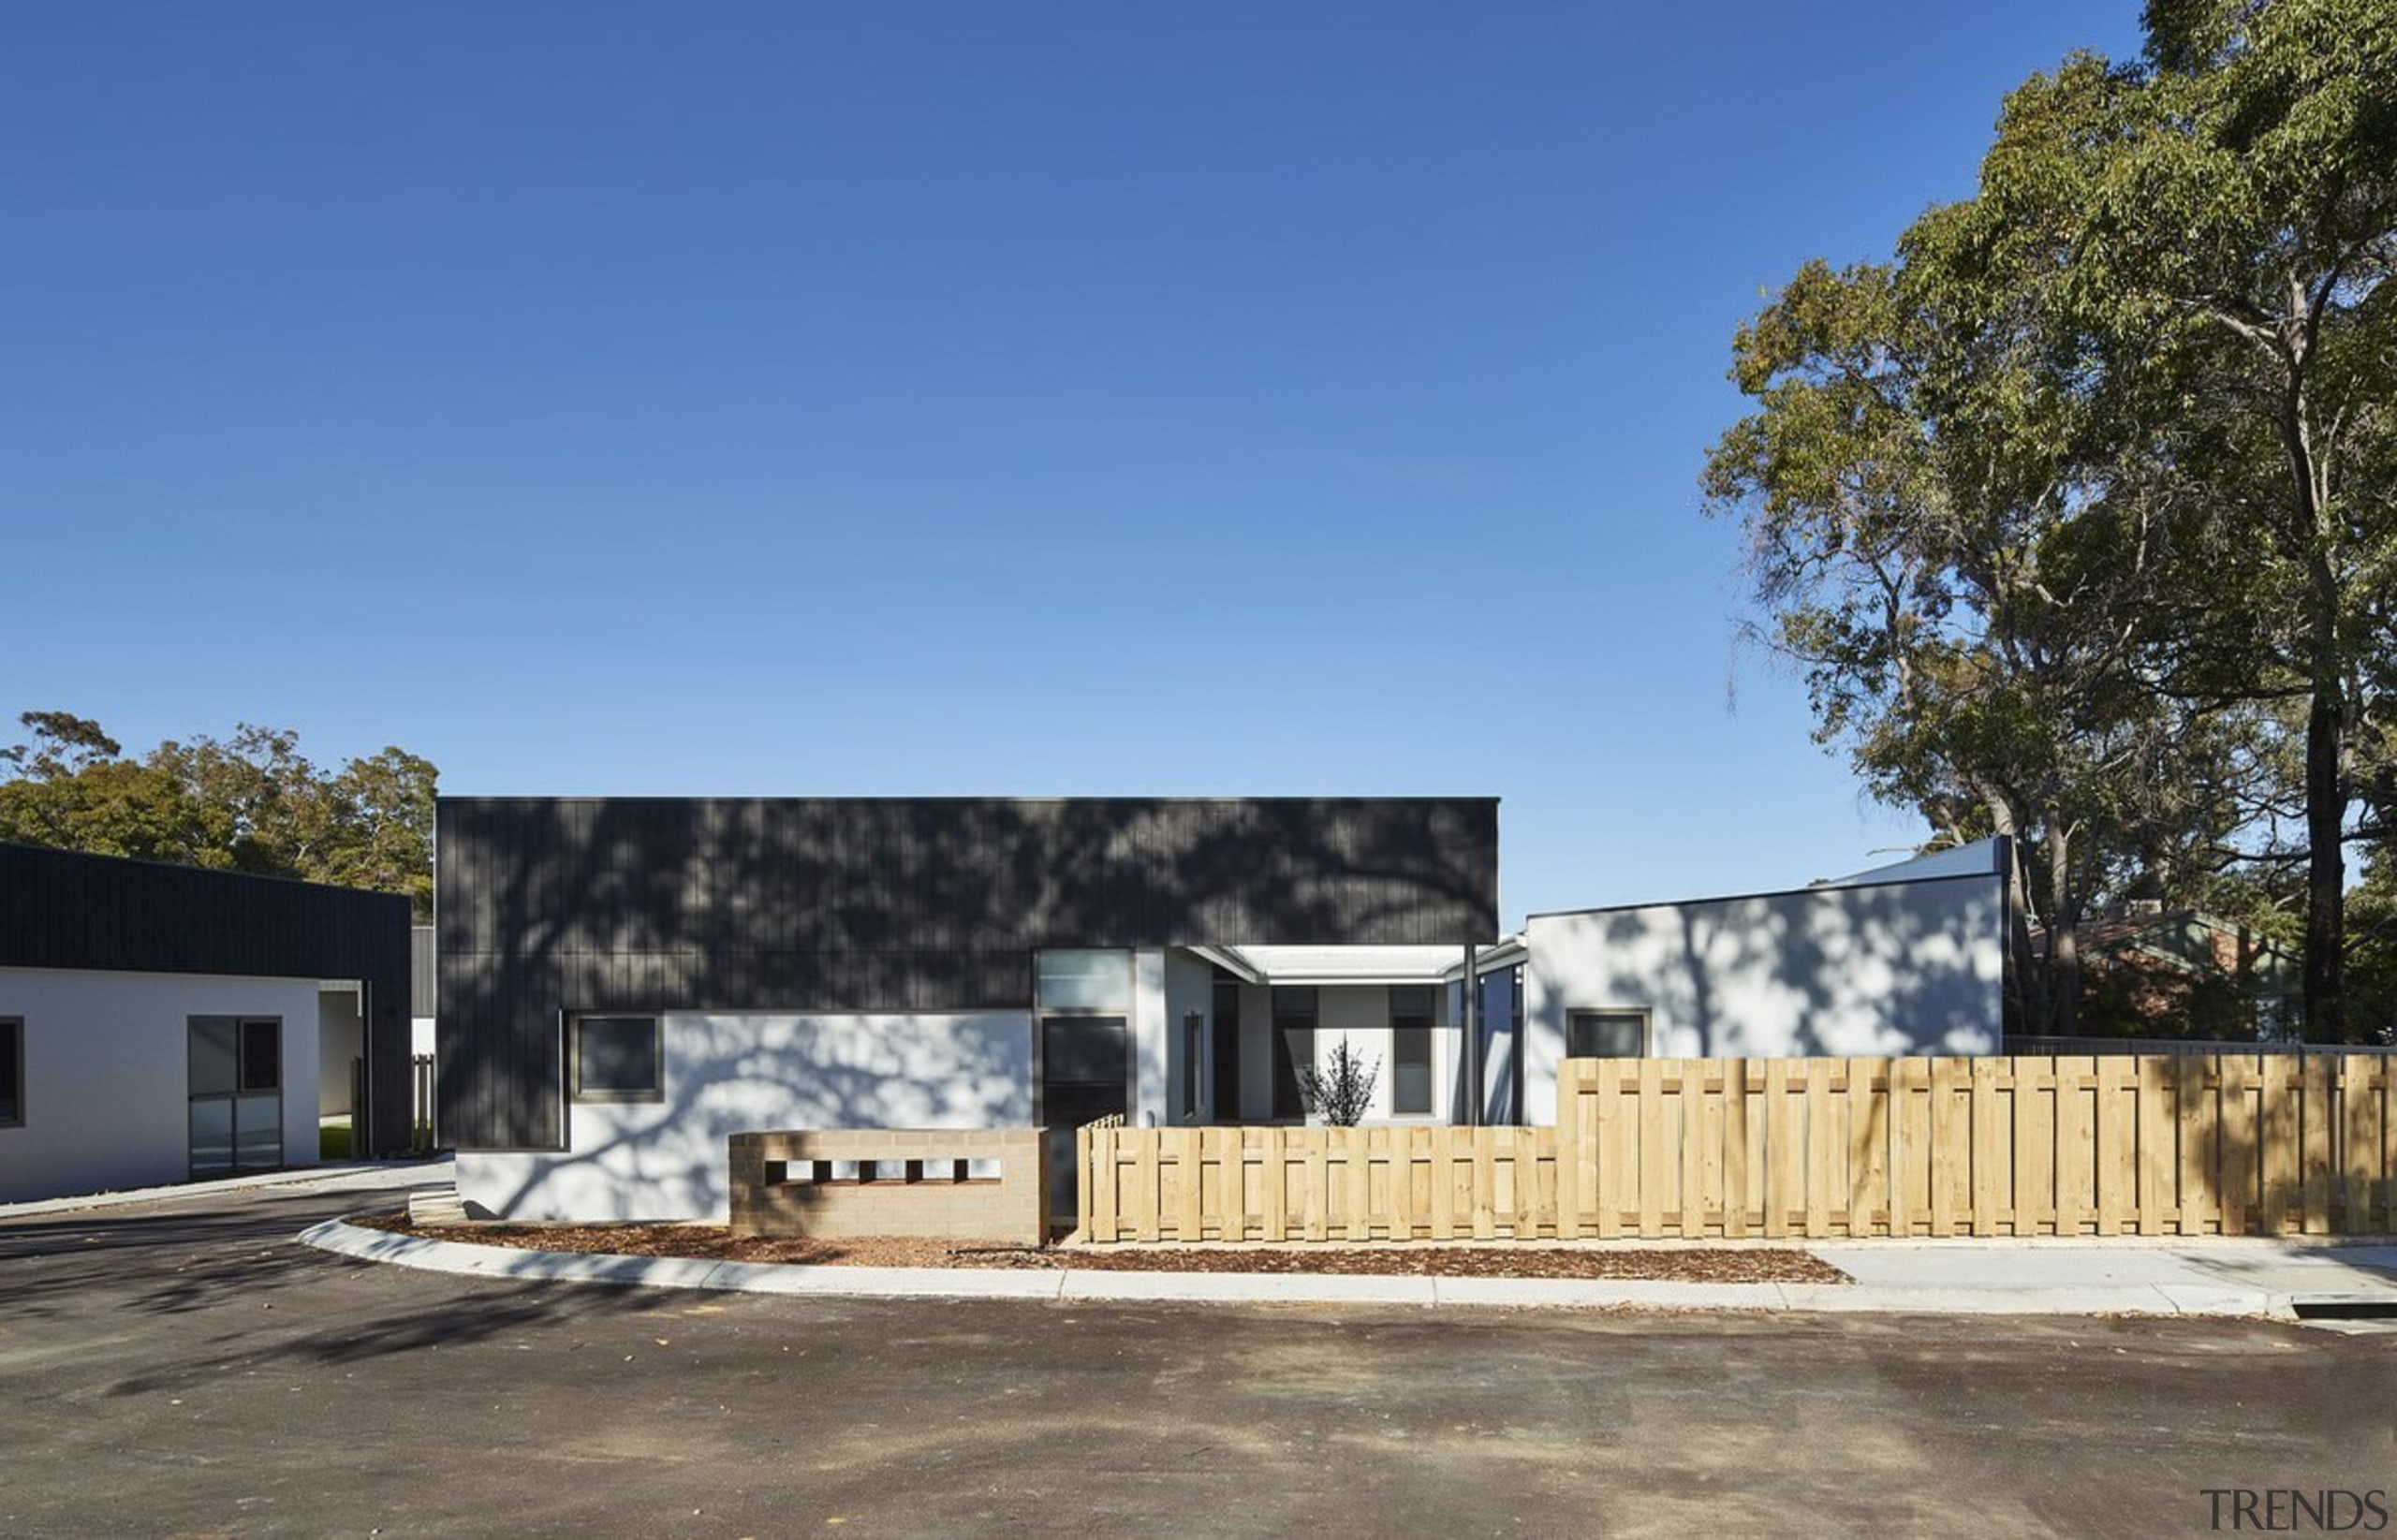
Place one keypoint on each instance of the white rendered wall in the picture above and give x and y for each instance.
(341, 1037)
(1189, 986)
(733, 1073)
(1256, 1054)
(1903, 968)
(108, 1074)
(1151, 1044)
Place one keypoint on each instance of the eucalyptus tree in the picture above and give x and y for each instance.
(253, 803)
(2098, 473)
(1966, 601)
(2224, 213)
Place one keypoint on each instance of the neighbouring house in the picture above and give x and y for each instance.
(1906, 959)
(2151, 972)
(625, 983)
(159, 1022)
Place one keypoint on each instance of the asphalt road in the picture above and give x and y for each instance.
(187, 1368)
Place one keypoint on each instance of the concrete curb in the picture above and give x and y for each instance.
(1066, 1284)
(328, 1173)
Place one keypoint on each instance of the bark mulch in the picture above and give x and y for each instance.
(716, 1244)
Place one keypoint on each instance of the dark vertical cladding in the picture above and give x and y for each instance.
(421, 981)
(553, 905)
(62, 909)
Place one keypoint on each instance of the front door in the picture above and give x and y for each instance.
(1085, 1069)
(236, 1080)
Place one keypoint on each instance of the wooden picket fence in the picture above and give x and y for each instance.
(2229, 1144)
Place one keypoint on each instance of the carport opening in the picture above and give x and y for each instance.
(341, 1067)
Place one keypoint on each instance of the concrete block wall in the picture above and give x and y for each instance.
(949, 1184)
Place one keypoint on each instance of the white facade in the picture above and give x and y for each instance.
(340, 1038)
(726, 1072)
(106, 1087)
(1891, 964)
(1188, 986)
(1352, 986)
(730, 1073)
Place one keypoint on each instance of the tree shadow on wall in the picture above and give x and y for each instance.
(889, 905)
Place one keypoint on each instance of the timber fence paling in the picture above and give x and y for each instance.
(1816, 1149)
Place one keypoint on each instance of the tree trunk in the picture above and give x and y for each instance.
(2025, 1005)
(2325, 869)
(2325, 787)
(2064, 946)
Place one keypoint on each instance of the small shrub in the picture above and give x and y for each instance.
(1342, 1092)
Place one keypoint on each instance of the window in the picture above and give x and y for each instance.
(1227, 1052)
(1085, 981)
(619, 1058)
(1606, 1035)
(13, 1073)
(236, 1078)
(261, 1056)
(1410, 1049)
(1194, 1043)
(1294, 1015)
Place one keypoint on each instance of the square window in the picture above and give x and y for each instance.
(1606, 1035)
(619, 1058)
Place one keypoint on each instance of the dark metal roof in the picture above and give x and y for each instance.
(65, 909)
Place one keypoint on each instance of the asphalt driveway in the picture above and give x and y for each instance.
(184, 1368)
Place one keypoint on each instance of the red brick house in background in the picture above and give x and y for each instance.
(2150, 972)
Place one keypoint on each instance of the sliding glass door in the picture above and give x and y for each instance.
(236, 1094)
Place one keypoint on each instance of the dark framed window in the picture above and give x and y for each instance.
(1227, 1051)
(619, 1058)
(1606, 1035)
(1410, 1049)
(1294, 1022)
(1194, 1050)
(12, 1072)
(236, 1105)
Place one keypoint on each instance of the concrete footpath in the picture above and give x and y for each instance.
(2235, 1277)
(2231, 1278)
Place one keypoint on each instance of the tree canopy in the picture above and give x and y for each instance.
(2076, 514)
(252, 803)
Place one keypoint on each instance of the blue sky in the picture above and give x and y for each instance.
(916, 398)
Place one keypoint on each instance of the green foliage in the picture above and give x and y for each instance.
(2080, 517)
(251, 804)
(1342, 1092)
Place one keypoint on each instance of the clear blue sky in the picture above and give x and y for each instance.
(902, 397)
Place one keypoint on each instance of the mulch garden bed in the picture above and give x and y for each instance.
(716, 1244)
